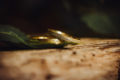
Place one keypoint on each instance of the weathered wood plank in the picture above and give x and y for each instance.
(93, 59)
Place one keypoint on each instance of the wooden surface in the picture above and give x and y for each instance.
(92, 59)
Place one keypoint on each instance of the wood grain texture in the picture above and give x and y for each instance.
(92, 59)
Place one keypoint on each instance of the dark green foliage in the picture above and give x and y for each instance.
(103, 23)
(13, 37)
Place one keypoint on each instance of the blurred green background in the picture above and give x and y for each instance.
(81, 18)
